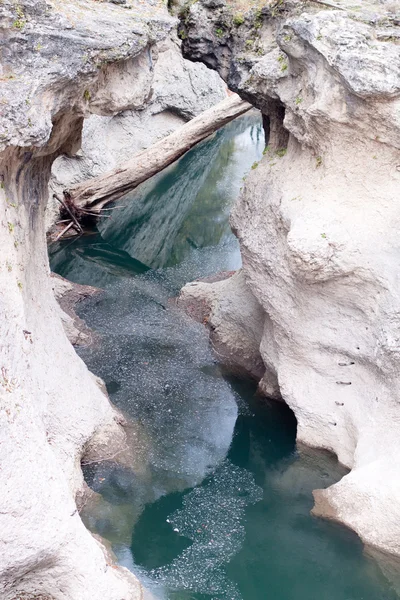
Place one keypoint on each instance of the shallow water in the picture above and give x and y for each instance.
(216, 504)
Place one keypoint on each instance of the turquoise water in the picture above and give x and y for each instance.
(216, 503)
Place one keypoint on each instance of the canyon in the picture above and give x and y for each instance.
(57, 61)
(313, 314)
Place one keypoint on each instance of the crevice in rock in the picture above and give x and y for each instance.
(273, 116)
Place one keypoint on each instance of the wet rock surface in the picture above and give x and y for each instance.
(68, 296)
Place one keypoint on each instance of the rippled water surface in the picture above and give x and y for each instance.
(215, 503)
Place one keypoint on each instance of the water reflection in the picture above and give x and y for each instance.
(156, 363)
(163, 375)
(172, 218)
(215, 504)
(188, 204)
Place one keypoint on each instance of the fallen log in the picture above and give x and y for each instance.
(92, 195)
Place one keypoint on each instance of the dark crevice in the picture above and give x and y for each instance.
(276, 136)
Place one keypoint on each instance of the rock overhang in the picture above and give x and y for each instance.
(53, 52)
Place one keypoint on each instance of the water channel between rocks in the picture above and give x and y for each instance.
(217, 503)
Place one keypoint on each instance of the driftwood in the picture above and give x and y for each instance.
(67, 228)
(71, 214)
(89, 197)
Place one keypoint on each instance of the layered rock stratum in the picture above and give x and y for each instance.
(318, 222)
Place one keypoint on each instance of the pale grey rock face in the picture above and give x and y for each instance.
(176, 90)
(52, 410)
(47, 48)
(234, 317)
(318, 223)
(68, 295)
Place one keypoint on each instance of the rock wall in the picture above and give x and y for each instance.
(68, 295)
(60, 61)
(318, 223)
(176, 91)
(234, 317)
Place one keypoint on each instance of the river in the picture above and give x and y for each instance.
(217, 503)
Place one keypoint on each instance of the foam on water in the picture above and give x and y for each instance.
(212, 517)
(159, 365)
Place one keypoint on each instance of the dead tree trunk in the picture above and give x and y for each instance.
(92, 195)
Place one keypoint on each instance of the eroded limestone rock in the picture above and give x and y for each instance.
(318, 225)
(68, 295)
(235, 320)
(56, 58)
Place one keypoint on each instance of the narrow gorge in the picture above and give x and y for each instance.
(187, 412)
